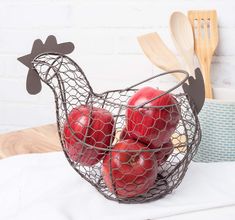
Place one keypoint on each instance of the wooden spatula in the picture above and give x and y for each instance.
(205, 28)
(158, 53)
(182, 35)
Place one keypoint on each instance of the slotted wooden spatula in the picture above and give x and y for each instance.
(205, 28)
(159, 54)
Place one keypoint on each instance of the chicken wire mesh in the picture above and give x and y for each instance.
(130, 154)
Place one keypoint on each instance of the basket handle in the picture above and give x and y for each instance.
(180, 83)
(194, 89)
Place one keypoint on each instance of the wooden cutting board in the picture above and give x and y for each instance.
(33, 140)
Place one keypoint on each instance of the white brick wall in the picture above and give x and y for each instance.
(104, 32)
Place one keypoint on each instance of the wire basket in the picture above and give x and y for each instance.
(129, 153)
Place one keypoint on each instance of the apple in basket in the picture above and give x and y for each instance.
(129, 169)
(88, 131)
(165, 150)
(156, 121)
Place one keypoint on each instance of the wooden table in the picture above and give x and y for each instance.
(33, 140)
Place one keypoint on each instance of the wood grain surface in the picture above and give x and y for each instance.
(205, 28)
(33, 140)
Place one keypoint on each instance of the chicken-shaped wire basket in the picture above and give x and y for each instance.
(133, 145)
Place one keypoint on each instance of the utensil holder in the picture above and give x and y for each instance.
(218, 128)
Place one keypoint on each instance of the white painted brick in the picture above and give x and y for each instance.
(161, 11)
(222, 71)
(223, 60)
(8, 128)
(117, 69)
(226, 46)
(146, 13)
(20, 41)
(22, 114)
(14, 91)
(94, 41)
(128, 44)
(35, 1)
(109, 15)
(35, 15)
(104, 33)
(10, 68)
(127, 41)
(116, 66)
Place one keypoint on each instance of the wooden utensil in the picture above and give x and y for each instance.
(182, 35)
(158, 53)
(205, 28)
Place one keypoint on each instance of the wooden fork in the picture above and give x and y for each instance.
(205, 28)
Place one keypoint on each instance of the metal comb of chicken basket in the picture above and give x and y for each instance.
(129, 153)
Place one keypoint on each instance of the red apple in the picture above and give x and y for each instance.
(86, 126)
(128, 170)
(124, 134)
(166, 150)
(161, 155)
(156, 121)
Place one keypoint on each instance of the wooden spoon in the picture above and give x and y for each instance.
(182, 35)
(158, 53)
(205, 29)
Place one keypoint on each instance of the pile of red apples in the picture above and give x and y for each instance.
(130, 165)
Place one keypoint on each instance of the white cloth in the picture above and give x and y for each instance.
(44, 186)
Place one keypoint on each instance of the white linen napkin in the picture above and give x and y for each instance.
(44, 186)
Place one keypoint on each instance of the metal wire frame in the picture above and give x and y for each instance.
(72, 89)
